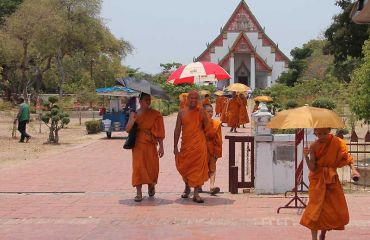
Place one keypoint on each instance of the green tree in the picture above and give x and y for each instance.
(360, 87)
(85, 33)
(345, 41)
(296, 66)
(7, 7)
(33, 20)
(318, 64)
(55, 119)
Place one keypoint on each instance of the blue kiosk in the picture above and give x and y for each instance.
(116, 116)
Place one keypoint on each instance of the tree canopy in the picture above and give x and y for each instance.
(54, 45)
(360, 87)
(345, 40)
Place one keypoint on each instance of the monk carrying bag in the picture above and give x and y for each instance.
(130, 140)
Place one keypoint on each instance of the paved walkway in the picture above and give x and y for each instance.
(86, 193)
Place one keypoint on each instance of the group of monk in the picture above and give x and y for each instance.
(232, 110)
(201, 146)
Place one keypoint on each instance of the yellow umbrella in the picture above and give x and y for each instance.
(219, 93)
(263, 99)
(237, 87)
(306, 117)
(204, 92)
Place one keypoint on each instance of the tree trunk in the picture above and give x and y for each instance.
(24, 69)
(56, 135)
(60, 67)
(51, 133)
(5, 84)
(38, 80)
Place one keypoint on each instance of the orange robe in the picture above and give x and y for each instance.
(223, 117)
(327, 206)
(233, 113)
(214, 143)
(243, 113)
(219, 104)
(255, 108)
(206, 101)
(183, 104)
(145, 159)
(192, 160)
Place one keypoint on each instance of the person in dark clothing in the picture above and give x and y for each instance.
(23, 117)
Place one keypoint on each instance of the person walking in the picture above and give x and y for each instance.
(327, 207)
(243, 113)
(23, 118)
(148, 146)
(192, 159)
(214, 146)
(233, 109)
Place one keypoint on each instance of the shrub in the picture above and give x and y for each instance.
(165, 112)
(291, 104)
(343, 131)
(93, 126)
(324, 103)
(5, 105)
(282, 131)
(55, 119)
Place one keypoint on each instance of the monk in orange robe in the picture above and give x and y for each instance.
(256, 105)
(327, 207)
(243, 113)
(206, 100)
(192, 159)
(223, 116)
(233, 113)
(148, 146)
(214, 146)
(219, 105)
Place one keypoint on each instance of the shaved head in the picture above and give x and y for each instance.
(193, 93)
(322, 134)
(209, 109)
(193, 99)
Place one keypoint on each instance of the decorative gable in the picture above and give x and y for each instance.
(242, 20)
(242, 45)
(261, 65)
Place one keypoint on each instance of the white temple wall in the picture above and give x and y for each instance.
(221, 52)
(263, 51)
(261, 80)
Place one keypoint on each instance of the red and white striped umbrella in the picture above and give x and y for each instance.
(197, 72)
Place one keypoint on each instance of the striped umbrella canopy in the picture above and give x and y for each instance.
(198, 72)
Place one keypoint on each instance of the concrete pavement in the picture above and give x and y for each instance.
(86, 193)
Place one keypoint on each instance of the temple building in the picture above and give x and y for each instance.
(246, 52)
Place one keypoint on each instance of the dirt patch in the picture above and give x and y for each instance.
(13, 152)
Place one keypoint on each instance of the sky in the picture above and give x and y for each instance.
(164, 31)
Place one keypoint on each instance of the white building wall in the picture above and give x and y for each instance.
(274, 171)
(263, 51)
(221, 52)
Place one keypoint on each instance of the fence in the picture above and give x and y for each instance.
(360, 151)
(241, 162)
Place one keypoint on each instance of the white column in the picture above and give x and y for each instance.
(269, 81)
(232, 68)
(253, 72)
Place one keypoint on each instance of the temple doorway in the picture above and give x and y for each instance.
(244, 80)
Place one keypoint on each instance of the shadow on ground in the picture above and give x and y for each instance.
(147, 201)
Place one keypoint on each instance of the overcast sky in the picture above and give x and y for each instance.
(164, 31)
